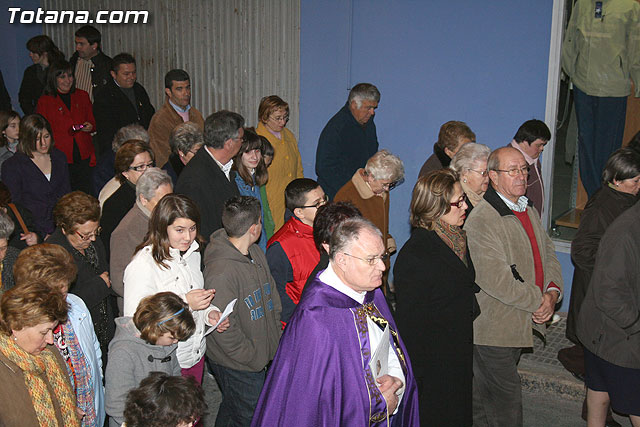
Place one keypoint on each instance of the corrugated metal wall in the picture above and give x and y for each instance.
(236, 51)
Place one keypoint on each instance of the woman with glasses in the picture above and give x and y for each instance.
(132, 159)
(436, 305)
(37, 175)
(470, 162)
(77, 215)
(368, 190)
(251, 176)
(168, 260)
(273, 114)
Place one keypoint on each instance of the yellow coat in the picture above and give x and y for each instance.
(286, 166)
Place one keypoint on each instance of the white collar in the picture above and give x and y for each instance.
(226, 168)
(521, 206)
(330, 278)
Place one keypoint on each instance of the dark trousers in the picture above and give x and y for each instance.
(497, 393)
(600, 130)
(240, 393)
(80, 173)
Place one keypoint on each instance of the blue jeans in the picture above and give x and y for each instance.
(240, 393)
(600, 130)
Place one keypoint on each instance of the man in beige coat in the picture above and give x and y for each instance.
(176, 109)
(520, 280)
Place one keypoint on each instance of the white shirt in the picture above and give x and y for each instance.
(329, 277)
(226, 168)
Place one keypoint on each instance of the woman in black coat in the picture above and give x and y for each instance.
(617, 194)
(436, 304)
(77, 215)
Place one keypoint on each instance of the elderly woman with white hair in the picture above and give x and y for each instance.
(185, 141)
(152, 186)
(369, 189)
(8, 254)
(470, 162)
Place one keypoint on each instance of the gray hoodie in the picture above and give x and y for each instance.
(129, 363)
(254, 332)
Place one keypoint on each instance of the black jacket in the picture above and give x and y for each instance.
(609, 320)
(113, 110)
(438, 160)
(436, 306)
(114, 209)
(100, 72)
(5, 99)
(31, 89)
(601, 210)
(205, 183)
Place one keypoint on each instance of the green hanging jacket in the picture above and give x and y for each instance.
(601, 54)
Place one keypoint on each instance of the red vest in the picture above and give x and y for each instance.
(296, 240)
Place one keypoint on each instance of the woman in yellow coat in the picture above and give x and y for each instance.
(273, 115)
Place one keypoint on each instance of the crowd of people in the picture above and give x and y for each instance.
(125, 232)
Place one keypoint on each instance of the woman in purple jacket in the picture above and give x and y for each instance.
(37, 175)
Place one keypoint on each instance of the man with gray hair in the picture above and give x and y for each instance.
(208, 179)
(520, 281)
(152, 186)
(348, 139)
(334, 365)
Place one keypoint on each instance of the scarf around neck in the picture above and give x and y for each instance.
(42, 375)
(454, 237)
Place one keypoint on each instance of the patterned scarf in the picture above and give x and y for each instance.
(454, 237)
(85, 393)
(41, 375)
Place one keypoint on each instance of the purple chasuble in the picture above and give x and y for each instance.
(320, 374)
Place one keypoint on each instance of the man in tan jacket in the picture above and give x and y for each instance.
(176, 109)
(520, 280)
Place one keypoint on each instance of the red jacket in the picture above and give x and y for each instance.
(296, 240)
(61, 120)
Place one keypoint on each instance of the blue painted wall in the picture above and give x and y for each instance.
(13, 39)
(484, 63)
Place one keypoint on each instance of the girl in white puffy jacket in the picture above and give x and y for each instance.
(169, 260)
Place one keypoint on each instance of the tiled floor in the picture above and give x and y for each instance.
(555, 340)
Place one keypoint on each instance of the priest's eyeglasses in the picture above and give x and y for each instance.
(371, 260)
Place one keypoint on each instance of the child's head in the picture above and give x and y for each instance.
(164, 319)
(242, 214)
(163, 401)
(303, 197)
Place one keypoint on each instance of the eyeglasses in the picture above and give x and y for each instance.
(319, 203)
(142, 168)
(280, 119)
(460, 202)
(481, 173)
(372, 260)
(516, 171)
(389, 186)
(87, 237)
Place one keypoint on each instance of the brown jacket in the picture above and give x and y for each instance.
(16, 407)
(498, 244)
(374, 208)
(162, 124)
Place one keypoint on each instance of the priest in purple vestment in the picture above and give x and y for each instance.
(321, 374)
